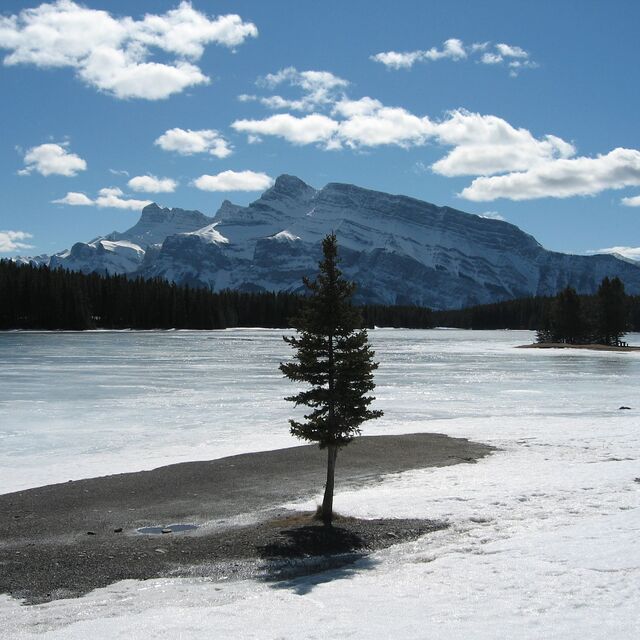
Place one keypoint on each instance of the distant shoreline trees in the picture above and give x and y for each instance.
(39, 298)
(601, 319)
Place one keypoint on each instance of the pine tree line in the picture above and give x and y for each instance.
(599, 319)
(567, 317)
(55, 299)
(523, 313)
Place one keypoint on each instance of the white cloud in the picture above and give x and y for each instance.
(52, 159)
(305, 130)
(12, 241)
(112, 53)
(364, 123)
(515, 58)
(75, 199)
(491, 215)
(108, 198)
(491, 58)
(561, 178)
(111, 197)
(398, 59)
(370, 124)
(452, 49)
(152, 184)
(506, 161)
(234, 181)
(486, 144)
(482, 145)
(187, 142)
(631, 253)
(509, 51)
(319, 88)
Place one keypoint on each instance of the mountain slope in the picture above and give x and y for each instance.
(399, 250)
(119, 253)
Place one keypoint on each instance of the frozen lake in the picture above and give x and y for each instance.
(76, 405)
(544, 535)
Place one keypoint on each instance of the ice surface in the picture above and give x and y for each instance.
(544, 535)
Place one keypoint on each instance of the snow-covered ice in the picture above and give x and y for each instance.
(544, 535)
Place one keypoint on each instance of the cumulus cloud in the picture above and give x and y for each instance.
(633, 201)
(297, 130)
(113, 54)
(75, 199)
(358, 123)
(509, 51)
(506, 161)
(561, 178)
(152, 184)
(108, 198)
(111, 197)
(318, 88)
(486, 144)
(515, 58)
(452, 49)
(187, 142)
(52, 159)
(630, 253)
(234, 181)
(491, 58)
(482, 145)
(13, 241)
(369, 123)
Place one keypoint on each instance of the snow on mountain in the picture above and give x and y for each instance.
(398, 249)
(119, 253)
(157, 223)
(35, 261)
(103, 256)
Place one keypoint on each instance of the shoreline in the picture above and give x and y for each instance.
(588, 347)
(64, 540)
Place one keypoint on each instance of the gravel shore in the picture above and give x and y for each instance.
(64, 540)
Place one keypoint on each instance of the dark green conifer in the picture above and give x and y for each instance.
(567, 322)
(612, 317)
(333, 357)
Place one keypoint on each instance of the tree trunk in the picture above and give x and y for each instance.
(327, 502)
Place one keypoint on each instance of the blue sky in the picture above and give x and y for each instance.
(528, 111)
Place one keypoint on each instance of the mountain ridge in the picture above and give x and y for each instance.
(398, 249)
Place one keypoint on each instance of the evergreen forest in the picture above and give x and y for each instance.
(40, 298)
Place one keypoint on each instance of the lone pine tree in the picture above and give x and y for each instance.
(333, 357)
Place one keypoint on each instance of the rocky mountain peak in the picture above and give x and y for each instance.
(399, 250)
(156, 223)
(287, 189)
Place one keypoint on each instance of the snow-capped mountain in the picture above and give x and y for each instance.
(397, 249)
(102, 255)
(120, 253)
(156, 224)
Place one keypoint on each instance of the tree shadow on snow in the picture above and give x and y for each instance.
(304, 557)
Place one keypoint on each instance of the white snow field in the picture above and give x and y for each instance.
(544, 536)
